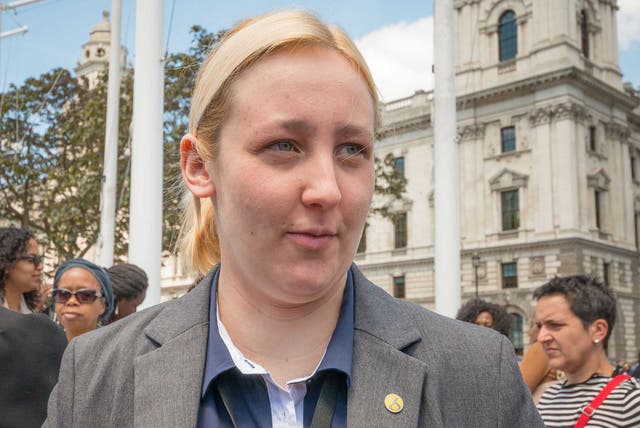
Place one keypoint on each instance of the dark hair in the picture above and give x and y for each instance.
(474, 307)
(588, 298)
(128, 280)
(13, 245)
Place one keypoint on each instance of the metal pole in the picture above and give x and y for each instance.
(475, 260)
(108, 211)
(145, 223)
(447, 215)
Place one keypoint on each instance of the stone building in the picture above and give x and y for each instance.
(549, 149)
(96, 51)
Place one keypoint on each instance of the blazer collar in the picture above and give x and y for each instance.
(383, 333)
(168, 379)
(380, 315)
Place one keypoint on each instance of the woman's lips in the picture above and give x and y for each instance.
(312, 241)
(70, 315)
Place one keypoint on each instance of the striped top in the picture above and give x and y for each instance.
(562, 404)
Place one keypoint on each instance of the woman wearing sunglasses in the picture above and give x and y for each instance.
(20, 270)
(82, 295)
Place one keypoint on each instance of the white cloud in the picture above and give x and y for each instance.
(400, 57)
(628, 23)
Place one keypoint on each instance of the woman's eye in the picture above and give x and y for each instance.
(283, 146)
(348, 151)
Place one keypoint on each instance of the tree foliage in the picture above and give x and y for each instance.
(52, 132)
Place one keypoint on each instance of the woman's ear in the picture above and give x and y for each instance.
(599, 330)
(194, 172)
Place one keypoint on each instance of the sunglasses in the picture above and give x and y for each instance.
(37, 260)
(83, 296)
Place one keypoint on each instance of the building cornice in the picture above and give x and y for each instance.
(572, 75)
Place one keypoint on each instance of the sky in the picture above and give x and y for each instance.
(396, 37)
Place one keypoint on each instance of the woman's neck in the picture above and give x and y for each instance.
(597, 364)
(288, 341)
(13, 298)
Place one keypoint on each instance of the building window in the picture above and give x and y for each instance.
(510, 210)
(510, 275)
(516, 334)
(398, 165)
(508, 36)
(508, 139)
(400, 230)
(592, 138)
(584, 32)
(597, 201)
(362, 245)
(399, 287)
(605, 273)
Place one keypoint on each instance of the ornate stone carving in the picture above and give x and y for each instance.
(537, 265)
(540, 116)
(615, 131)
(508, 179)
(562, 111)
(569, 110)
(599, 180)
(471, 132)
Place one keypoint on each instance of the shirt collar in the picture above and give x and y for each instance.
(339, 352)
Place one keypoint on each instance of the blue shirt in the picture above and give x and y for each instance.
(251, 397)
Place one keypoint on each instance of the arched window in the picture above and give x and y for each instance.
(508, 36)
(584, 32)
(516, 332)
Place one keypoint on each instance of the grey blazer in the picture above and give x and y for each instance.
(146, 370)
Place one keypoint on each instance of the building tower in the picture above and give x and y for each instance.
(95, 52)
(548, 148)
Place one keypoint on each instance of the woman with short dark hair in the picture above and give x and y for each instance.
(20, 270)
(576, 315)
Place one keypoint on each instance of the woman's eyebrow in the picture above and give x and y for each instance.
(354, 131)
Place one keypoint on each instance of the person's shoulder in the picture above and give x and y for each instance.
(450, 336)
(632, 388)
(116, 333)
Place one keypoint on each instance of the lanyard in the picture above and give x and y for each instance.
(324, 411)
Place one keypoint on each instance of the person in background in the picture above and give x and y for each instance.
(129, 284)
(20, 270)
(285, 331)
(82, 295)
(634, 370)
(575, 316)
(535, 367)
(486, 314)
(31, 348)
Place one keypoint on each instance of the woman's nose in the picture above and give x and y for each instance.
(543, 335)
(321, 186)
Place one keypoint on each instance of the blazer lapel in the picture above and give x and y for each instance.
(168, 380)
(381, 365)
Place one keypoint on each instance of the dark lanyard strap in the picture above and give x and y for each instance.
(325, 408)
(224, 388)
(324, 411)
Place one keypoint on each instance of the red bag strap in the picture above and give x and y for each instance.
(588, 411)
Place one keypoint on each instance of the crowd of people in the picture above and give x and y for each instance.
(37, 321)
(283, 329)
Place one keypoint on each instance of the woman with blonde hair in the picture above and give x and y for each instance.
(284, 330)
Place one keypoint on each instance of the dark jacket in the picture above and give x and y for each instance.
(31, 348)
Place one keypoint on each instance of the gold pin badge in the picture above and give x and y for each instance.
(394, 403)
